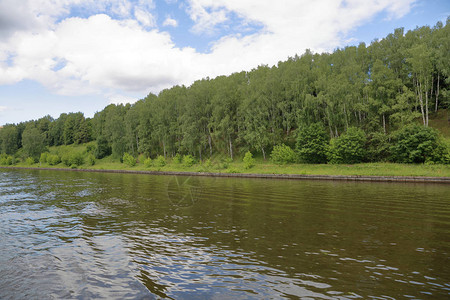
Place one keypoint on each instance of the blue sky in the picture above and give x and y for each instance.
(81, 55)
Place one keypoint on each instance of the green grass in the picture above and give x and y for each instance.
(267, 167)
(441, 122)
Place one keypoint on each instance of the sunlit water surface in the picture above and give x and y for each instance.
(122, 236)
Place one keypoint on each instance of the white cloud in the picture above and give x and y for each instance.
(103, 55)
(170, 22)
(144, 17)
(3, 108)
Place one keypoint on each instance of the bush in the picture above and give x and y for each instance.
(43, 158)
(77, 159)
(349, 148)
(66, 159)
(91, 148)
(29, 161)
(226, 162)
(282, 154)
(418, 144)
(129, 160)
(177, 159)
(188, 160)
(248, 160)
(148, 162)
(312, 144)
(91, 160)
(103, 149)
(160, 161)
(208, 163)
(378, 147)
(53, 159)
(7, 160)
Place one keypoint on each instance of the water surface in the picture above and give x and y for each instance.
(126, 236)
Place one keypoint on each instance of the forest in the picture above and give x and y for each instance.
(357, 104)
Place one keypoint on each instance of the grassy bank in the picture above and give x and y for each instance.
(219, 165)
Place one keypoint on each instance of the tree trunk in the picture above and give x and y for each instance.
(426, 107)
(200, 152)
(231, 149)
(419, 92)
(164, 148)
(437, 95)
(263, 152)
(384, 124)
(210, 145)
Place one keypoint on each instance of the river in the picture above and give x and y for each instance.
(77, 235)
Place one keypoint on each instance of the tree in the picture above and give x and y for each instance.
(8, 139)
(33, 142)
(418, 144)
(349, 148)
(312, 144)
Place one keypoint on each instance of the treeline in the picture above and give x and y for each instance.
(371, 92)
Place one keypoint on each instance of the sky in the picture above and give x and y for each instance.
(81, 55)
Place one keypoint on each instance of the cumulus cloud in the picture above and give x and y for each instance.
(170, 22)
(118, 49)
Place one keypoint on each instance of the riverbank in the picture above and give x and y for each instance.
(373, 178)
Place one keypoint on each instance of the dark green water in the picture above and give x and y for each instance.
(118, 236)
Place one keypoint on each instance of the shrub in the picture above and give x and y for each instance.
(349, 148)
(177, 159)
(208, 163)
(91, 148)
(129, 160)
(6, 160)
(188, 160)
(53, 159)
(66, 159)
(312, 144)
(418, 144)
(282, 154)
(103, 149)
(248, 160)
(77, 159)
(160, 161)
(378, 147)
(29, 161)
(91, 160)
(148, 162)
(226, 162)
(44, 156)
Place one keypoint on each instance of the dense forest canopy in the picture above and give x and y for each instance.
(379, 89)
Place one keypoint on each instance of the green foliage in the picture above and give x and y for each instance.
(103, 149)
(29, 161)
(129, 160)
(72, 159)
(91, 159)
(7, 160)
(53, 159)
(188, 160)
(312, 144)
(159, 161)
(208, 163)
(349, 148)
(91, 148)
(43, 158)
(282, 154)
(148, 162)
(418, 144)
(33, 142)
(77, 158)
(249, 161)
(177, 159)
(225, 162)
(378, 147)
